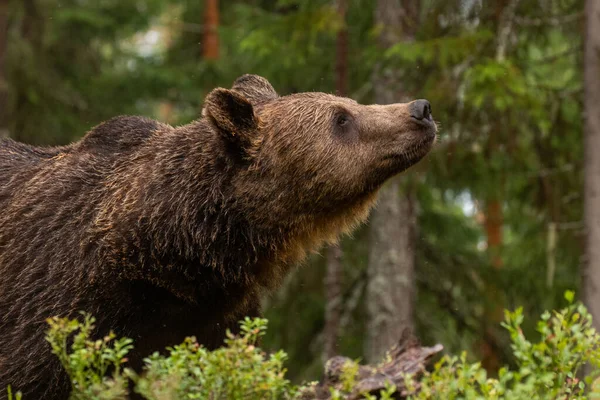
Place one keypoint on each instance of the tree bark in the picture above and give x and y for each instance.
(341, 58)
(335, 268)
(494, 220)
(591, 269)
(3, 77)
(333, 301)
(210, 43)
(390, 291)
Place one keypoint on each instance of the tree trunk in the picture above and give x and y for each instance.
(210, 43)
(494, 221)
(391, 270)
(333, 301)
(591, 270)
(341, 59)
(335, 268)
(390, 291)
(488, 346)
(3, 77)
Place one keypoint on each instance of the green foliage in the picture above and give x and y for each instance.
(69, 65)
(445, 51)
(16, 396)
(238, 370)
(95, 367)
(548, 368)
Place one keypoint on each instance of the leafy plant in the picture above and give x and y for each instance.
(17, 396)
(95, 367)
(547, 369)
(238, 370)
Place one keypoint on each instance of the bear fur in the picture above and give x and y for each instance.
(162, 232)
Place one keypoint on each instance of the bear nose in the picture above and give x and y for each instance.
(420, 109)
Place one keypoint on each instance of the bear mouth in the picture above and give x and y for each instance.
(408, 157)
(397, 162)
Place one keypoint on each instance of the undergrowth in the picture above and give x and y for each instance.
(549, 368)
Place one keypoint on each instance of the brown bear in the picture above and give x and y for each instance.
(163, 232)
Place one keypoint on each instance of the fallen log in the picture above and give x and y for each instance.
(407, 357)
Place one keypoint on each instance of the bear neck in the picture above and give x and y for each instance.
(192, 224)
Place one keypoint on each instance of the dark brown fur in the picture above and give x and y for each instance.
(163, 232)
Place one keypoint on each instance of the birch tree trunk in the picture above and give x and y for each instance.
(591, 270)
(390, 290)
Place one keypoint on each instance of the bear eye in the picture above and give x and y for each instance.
(344, 126)
(342, 120)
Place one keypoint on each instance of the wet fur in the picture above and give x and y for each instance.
(163, 232)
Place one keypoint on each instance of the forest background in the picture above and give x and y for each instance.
(502, 214)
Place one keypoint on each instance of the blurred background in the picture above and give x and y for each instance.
(492, 219)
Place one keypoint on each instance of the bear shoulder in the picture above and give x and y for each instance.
(120, 134)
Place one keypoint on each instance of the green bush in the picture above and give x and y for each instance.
(547, 369)
(94, 366)
(239, 370)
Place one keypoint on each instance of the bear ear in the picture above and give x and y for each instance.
(232, 114)
(255, 88)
